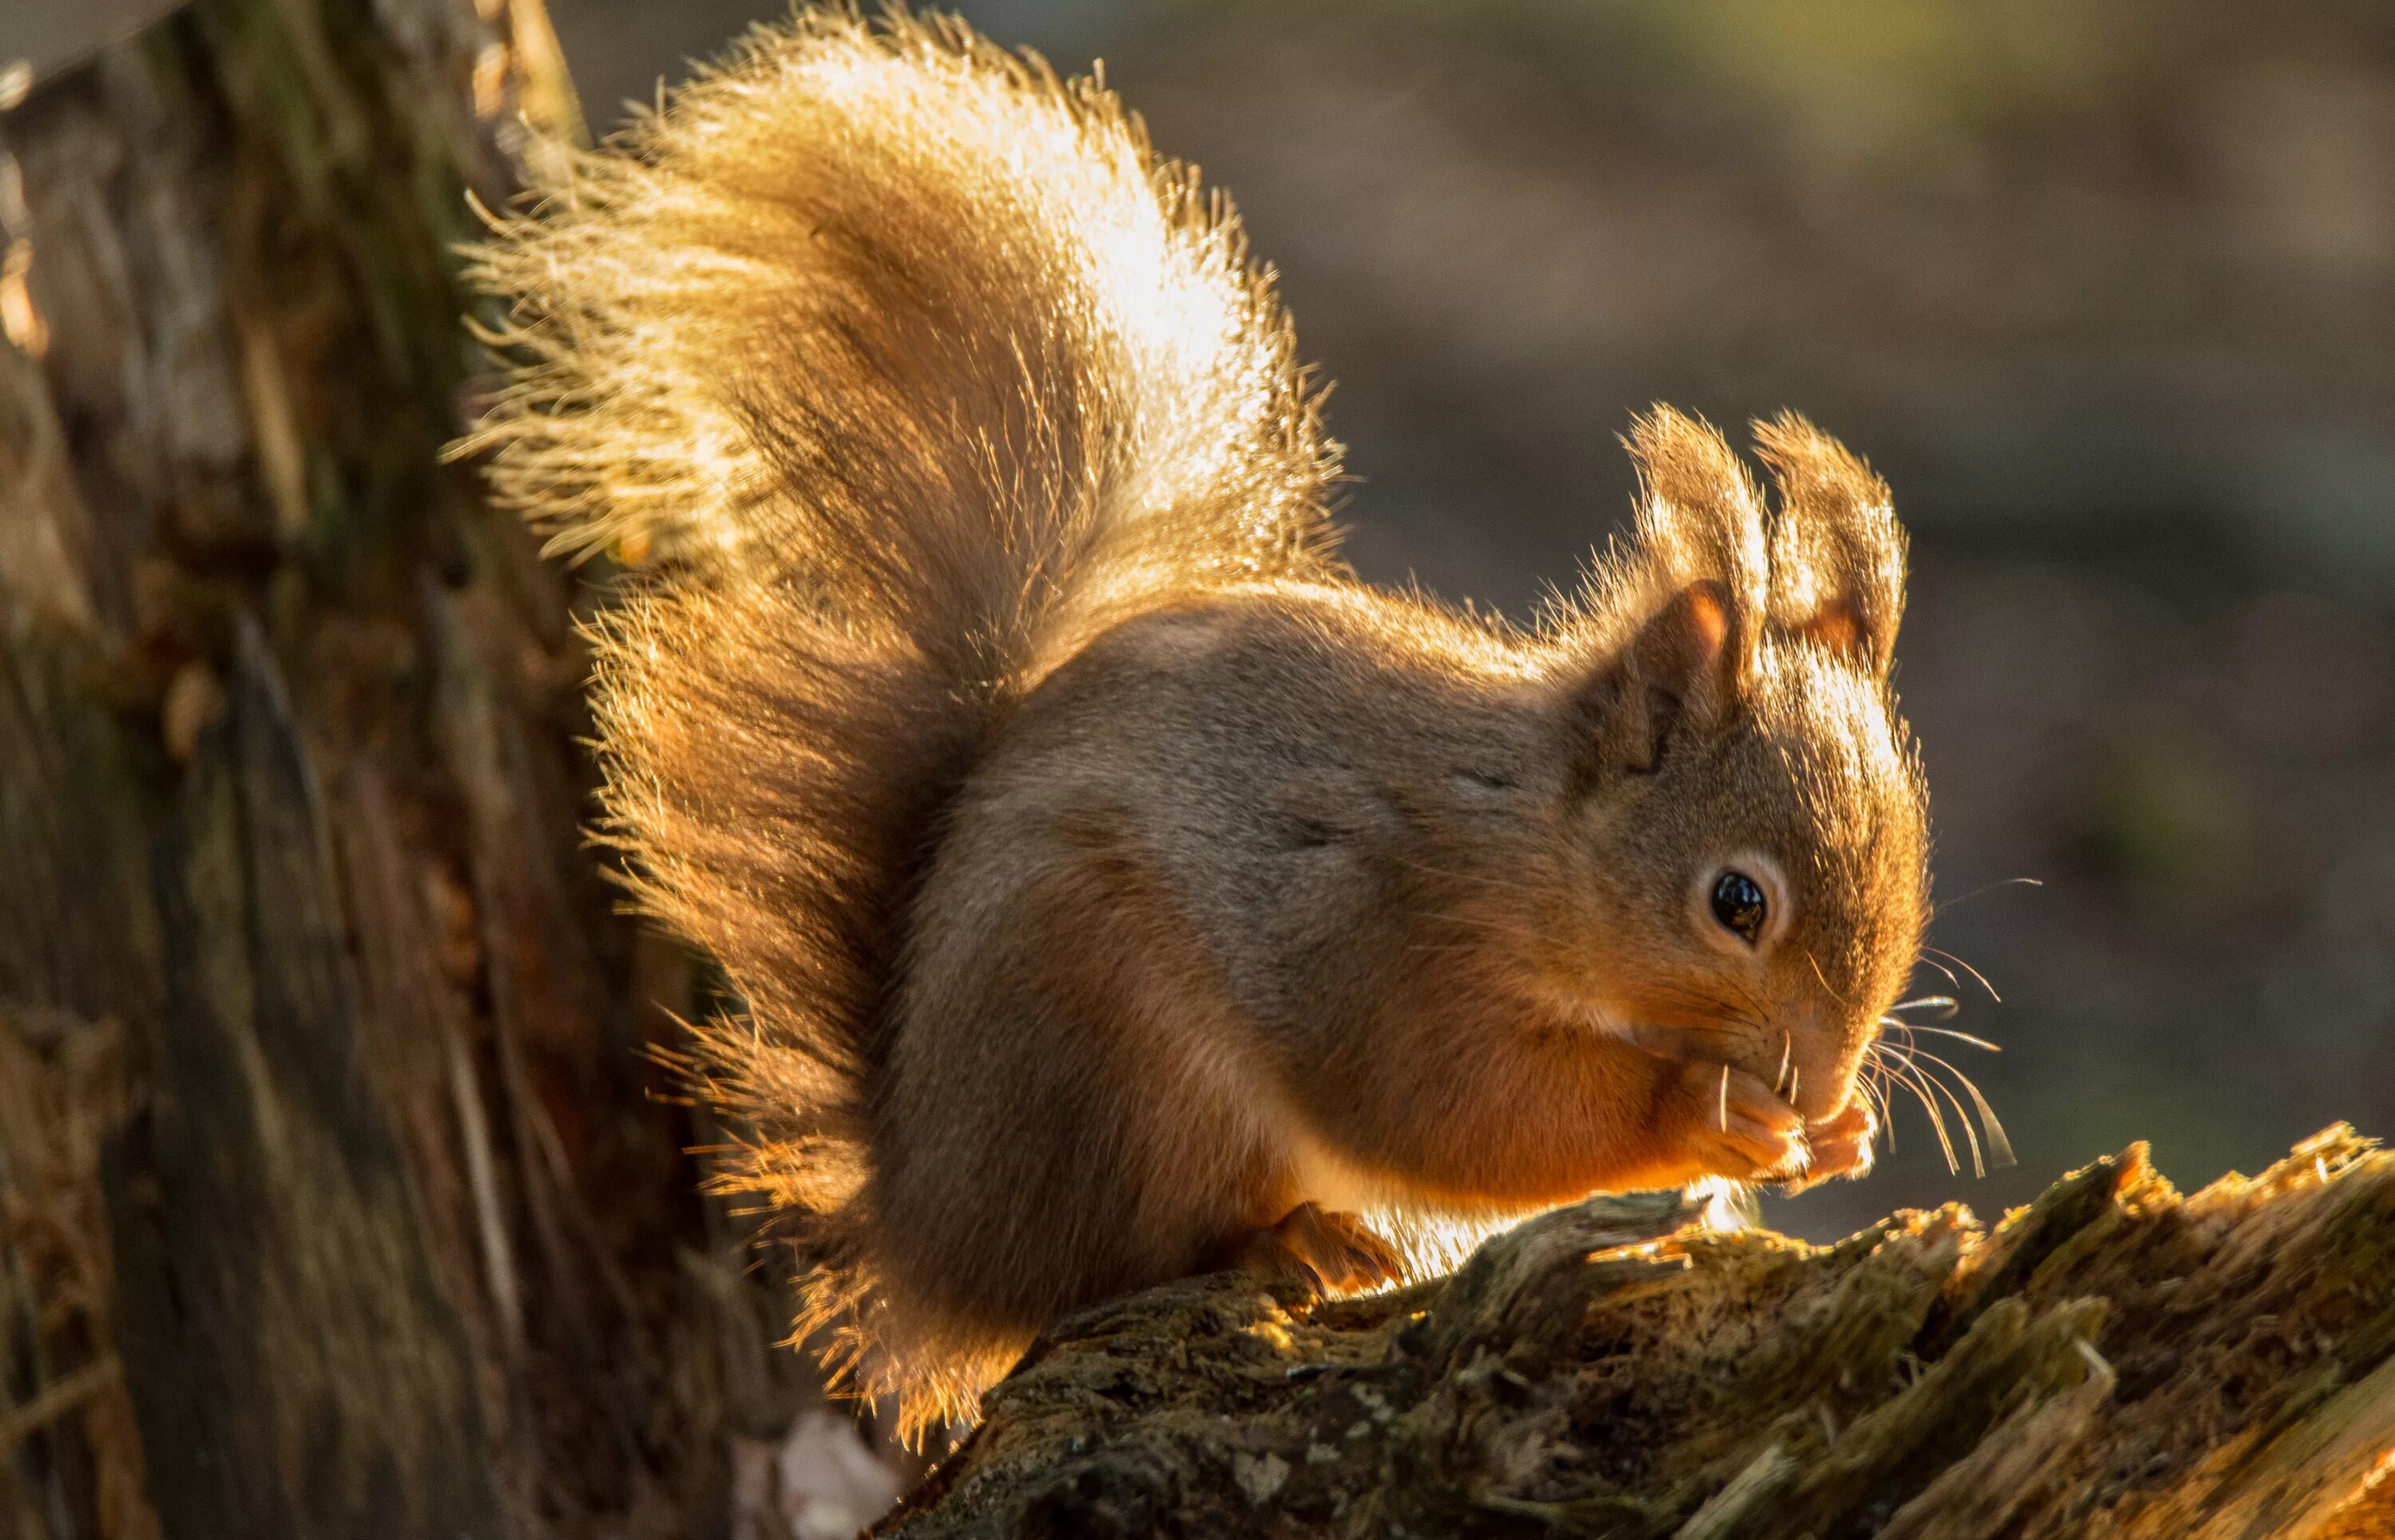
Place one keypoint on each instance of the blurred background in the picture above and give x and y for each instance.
(2107, 293)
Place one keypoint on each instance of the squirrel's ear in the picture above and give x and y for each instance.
(1699, 527)
(1837, 553)
(1678, 671)
(1694, 581)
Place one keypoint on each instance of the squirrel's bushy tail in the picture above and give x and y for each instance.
(894, 367)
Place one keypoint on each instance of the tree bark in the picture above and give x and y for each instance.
(338, 1199)
(2112, 1361)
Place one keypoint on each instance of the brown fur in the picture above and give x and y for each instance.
(1115, 887)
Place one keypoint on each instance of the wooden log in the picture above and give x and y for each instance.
(2114, 1360)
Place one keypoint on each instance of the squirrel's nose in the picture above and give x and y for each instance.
(1823, 1062)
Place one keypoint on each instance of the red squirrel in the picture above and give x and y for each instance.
(1116, 887)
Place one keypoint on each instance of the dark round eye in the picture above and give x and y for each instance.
(1739, 905)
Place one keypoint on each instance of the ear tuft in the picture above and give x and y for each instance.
(1837, 553)
(1669, 627)
(1699, 521)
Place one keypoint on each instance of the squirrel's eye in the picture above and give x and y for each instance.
(1739, 905)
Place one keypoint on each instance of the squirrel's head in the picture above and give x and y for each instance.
(1744, 807)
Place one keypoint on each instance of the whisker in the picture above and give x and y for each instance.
(1962, 1115)
(1928, 961)
(1874, 1082)
(1912, 1080)
(1753, 1002)
(1874, 1089)
(1968, 969)
(1825, 979)
(1945, 1005)
(1887, 1087)
(1999, 1149)
(2009, 882)
(1908, 1074)
(1787, 1048)
(1960, 1037)
(1889, 1024)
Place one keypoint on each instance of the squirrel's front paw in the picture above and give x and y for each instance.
(1840, 1145)
(1735, 1125)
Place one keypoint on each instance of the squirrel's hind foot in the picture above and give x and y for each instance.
(1318, 1249)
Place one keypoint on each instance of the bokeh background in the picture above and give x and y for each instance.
(2108, 293)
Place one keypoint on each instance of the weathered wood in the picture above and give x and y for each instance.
(73, 977)
(296, 1368)
(2114, 1360)
(397, 1238)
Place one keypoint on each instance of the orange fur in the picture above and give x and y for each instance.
(1113, 886)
